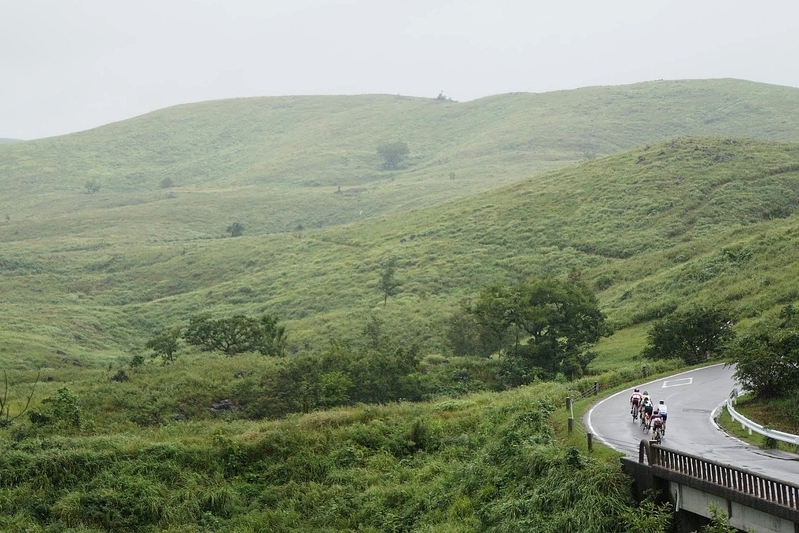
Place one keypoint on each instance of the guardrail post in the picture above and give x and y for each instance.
(571, 414)
(645, 371)
(596, 387)
(590, 442)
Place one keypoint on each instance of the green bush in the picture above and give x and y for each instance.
(61, 411)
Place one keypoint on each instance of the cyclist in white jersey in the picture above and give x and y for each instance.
(663, 413)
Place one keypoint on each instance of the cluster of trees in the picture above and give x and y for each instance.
(343, 375)
(541, 328)
(230, 335)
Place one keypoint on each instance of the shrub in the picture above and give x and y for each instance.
(61, 410)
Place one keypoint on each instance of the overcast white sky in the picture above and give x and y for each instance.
(70, 65)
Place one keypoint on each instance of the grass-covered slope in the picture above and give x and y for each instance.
(489, 462)
(85, 279)
(276, 164)
(93, 275)
(684, 221)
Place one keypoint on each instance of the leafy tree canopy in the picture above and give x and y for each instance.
(387, 283)
(344, 375)
(697, 334)
(271, 336)
(236, 229)
(767, 359)
(237, 334)
(545, 326)
(165, 345)
(393, 153)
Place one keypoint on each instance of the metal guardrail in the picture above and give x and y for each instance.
(754, 426)
(745, 482)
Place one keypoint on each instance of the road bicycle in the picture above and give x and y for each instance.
(645, 422)
(657, 434)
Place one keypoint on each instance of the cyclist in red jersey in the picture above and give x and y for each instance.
(657, 427)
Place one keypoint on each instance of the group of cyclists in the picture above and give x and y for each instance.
(653, 417)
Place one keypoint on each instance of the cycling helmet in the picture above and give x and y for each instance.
(636, 390)
(661, 402)
(646, 393)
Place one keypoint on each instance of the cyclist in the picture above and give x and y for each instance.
(647, 408)
(644, 399)
(635, 403)
(657, 427)
(663, 413)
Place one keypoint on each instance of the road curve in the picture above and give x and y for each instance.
(693, 399)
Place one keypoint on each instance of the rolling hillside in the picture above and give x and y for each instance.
(666, 222)
(275, 164)
(660, 195)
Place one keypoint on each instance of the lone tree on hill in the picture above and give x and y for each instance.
(237, 334)
(165, 345)
(236, 229)
(387, 284)
(92, 186)
(393, 153)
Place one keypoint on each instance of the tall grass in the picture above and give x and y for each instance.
(489, 462)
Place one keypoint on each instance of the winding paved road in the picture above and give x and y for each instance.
(693, 399)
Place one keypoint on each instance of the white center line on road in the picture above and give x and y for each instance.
(677, 382)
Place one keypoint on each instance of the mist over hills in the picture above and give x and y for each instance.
(276, 161)
(690, 207)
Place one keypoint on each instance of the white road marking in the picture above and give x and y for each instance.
(677, 382)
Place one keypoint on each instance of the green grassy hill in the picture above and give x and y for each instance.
(691, 200)
(275, 164)
(93, 275)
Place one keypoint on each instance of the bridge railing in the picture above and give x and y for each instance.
(743, 481)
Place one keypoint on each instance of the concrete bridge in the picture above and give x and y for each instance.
(751, 501)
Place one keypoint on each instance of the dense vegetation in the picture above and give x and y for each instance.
(767, 367)
(489, 463)
(131, 252)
